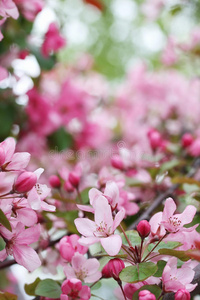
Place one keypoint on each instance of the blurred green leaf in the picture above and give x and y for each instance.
(4, 221)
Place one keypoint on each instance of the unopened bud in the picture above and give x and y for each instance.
(74, 179)
(113, 268)
(68, 187)
(155, 139)
(54, 181)
(143, 228)
(182, 294)
(117, 162)
(25, 182)
(146, 295)
(187, 140)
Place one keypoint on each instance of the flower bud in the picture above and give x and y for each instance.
(113, 268)
(143, 228)
(25, 182)
(182, 294)
(2, 156)
(68, 187)
(187, 140)
(74, 179)
(194, 148)
(146, 295)
(117, 162)
(54, 181)
(155, 139)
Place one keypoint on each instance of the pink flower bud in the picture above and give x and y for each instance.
(194, 148)
(54, 181)
(143, 228)
(74, 179)
(146, 295)
(117, 162)
(155, 139)
(2, 156)
(182, 294)
(68, 187)
(187, 140)
(25, 182)
(113, 268)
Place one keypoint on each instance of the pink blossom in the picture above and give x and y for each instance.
(182, 294)
(8, 9)
(146, 295)
(143, 228)
(72, 289)
(37, 195)
(17, 244)
(69, 245)
(113, 268)
(102, 229)
(53, 40)
(174, 279)
(86, 270)
(3, 71)
(11, 161)
(167, 221)
(30, 9)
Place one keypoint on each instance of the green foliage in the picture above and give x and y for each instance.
(179, 254)
(46, 288)
(160, 264)
(4, 221)
(30, 288)
(60, 140)
(2, 244)
(138, 272)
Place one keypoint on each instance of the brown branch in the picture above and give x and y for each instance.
(169, 192)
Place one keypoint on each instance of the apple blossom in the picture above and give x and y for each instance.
(69, 245)
(86, 270)
(102, 229)
(72, 289)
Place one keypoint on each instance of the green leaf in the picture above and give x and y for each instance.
(179, 254)
(165, 245)
(7, 296)
(169, 165)
(60, 140)
(190, 188)
(48, 288)
(30, 288)
(133, 237)
(160, 264)
(138, 272)
(4, 221)
(154, 289)
(2, 244)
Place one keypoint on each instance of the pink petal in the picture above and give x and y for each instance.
(93, 277)
(34, 199)
(85, 208)
(112, 244)
(77, 261)
(169, 209)
(118, 218)
(3, 255)
(94, 194)
(69, 272)
(187, 215)
(9, 147)
(92, 265)
(19, 161)
(87, 241)
(85, 226)
(27, 216)
(28, 236)
(112, 191)
(47, 207)
(26, 256)
(103, 212)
